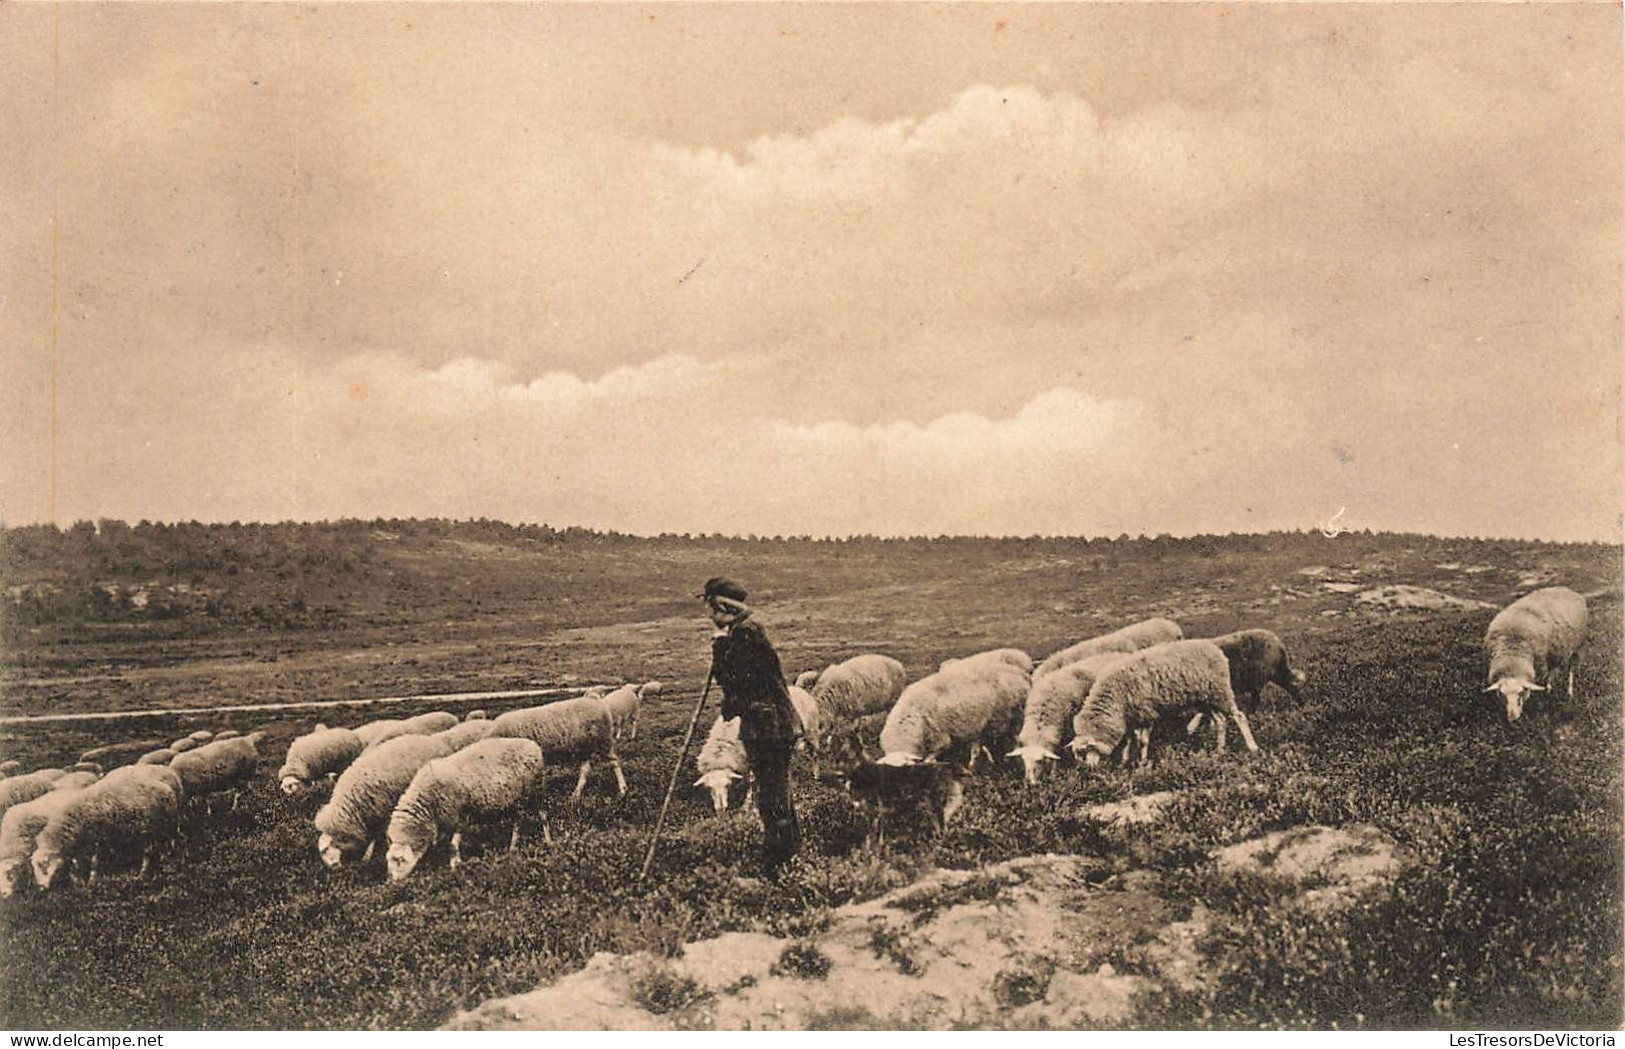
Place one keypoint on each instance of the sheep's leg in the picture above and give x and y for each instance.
(513, 839)
(634, 734)
(367, 856)
(95, 859)
(1194, 725)
(1246, 729)
(1142, 736)
(456, 850)
(581, 781)
(620, 777)
(146, 862)
(236, 796)
(1219, 731)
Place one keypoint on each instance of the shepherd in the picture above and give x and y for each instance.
(746, 668)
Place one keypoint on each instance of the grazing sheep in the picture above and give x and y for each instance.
(465, 734)
(1132, 638)
(20, 828)
(202, 735)
(217, 767)
(849, 690)
(112, 755)
(161, 756)
(624, 704)
(489, 779)
(1052, 704)
(572, 729)
(14, 790)
(86, 766)
(316, 755)
(1532, 643)
(376, 732)
(430, 723)
(357, 814)
(974, 704)
(1257, 659)
(184, 744)
(807, 679)
(475, 715)
(1180, 677)
(135, 806)
(229, 733)
(722, 760)
(1013, 656)
(10, 768)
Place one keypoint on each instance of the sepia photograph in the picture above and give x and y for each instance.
(716, 516)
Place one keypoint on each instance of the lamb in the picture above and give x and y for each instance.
(488, 779)
(1532, 643)
(722, 760)
(1051, 706)
(318, 754)
(624, 704)
(161, 756)
(356, 816)
(136, 805)
(217, 767)
(1257, 659)
(1132, 638)
(971, 704)
(20, 828)
(1013, 656)
(1180, 677)
(14, 790)
(570, 729)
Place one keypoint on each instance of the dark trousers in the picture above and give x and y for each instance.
(781, 836)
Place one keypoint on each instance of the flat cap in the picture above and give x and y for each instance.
(719, 586)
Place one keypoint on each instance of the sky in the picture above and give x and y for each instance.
(816, 269)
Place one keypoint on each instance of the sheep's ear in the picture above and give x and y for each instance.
(1536, 688)
(732, 775)
(700, 782)
(1492, 688)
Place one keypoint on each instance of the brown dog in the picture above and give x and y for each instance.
(881, 789)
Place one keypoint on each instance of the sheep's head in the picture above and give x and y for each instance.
(807, 679)
(1298, 678)
(402, 859)
(336, 851)
(1514, 693)
(1032, 758)
(648, 688)
(717, 781)
(1090, 751)
(48, 867)
(292, 785)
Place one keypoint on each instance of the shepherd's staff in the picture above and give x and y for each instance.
(688, 737)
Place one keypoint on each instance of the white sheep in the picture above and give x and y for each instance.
(1177, 678)
(1257, 659)
(488, 779)
(202, 735)
(579, 729)
(229, 733)
(86, 766)
(20, 828)
(376, 732)
(373, 733)
(218, 767)
(357, 814)
(14, 790)
(1132, 638)
(184, 744)
(1051, 705)
(1532, 643)
(161, 756)
(316, 755)
(853, 689)
(973, 703)
(624, 705)
(1013, 656)
(722, 760)
(430, 723)
(476, 715)
(134, 806)
(112, 754)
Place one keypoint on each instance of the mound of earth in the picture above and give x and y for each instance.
(1399, 597)
(1022, 944)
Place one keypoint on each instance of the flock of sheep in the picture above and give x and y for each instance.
(409, 784)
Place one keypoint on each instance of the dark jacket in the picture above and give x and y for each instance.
(747, 670)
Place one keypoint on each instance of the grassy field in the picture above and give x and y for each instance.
(1512, 917)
